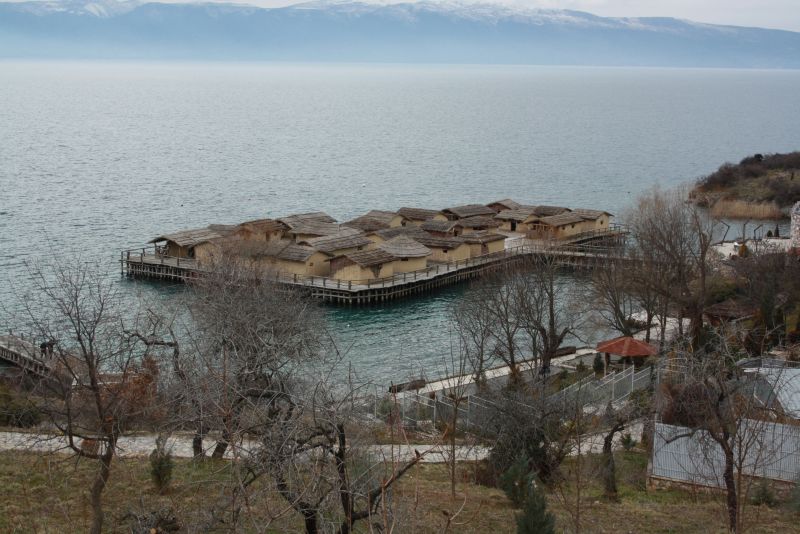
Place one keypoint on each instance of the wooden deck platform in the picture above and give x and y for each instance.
(149, 264)
(22, 353)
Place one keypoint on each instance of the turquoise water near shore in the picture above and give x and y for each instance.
(96, 157)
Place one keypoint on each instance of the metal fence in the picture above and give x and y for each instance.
(475, 412)
(772, 451)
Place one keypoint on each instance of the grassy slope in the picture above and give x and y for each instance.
(45, 494)
(776, 178)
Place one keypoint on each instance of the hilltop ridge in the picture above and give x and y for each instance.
(424, 32)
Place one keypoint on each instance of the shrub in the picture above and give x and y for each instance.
(627, 441)
(514, 482)
(598, 366)
(581, 367)
(16, 411)
(763, 494)
(534, 518)
(161, 466)
(793, 500)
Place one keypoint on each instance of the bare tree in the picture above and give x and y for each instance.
(676, 236)
(103, 381)
(720, 406)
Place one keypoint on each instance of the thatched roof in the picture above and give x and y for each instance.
(191, 238)
(283, 250)
(562, 219)
(482, 237)
(370, 258)
(432, 241)
(438, 226)
(412, 231)
(417, 214)
(366, 223)
(590, 215)
(347, 238)
(547, 211)
(506, 203)
(516, 214)
(265, 226)
(404, 247)
(316, 228)
(478, 222)
(382, 215)
(468, 210)
(300, 218)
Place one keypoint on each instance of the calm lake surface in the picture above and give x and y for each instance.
(96, 157)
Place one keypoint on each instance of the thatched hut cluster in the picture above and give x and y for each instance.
(380, 243)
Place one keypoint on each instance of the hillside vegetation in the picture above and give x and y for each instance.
(758, 186)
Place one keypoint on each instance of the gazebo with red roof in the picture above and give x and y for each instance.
(626, 347)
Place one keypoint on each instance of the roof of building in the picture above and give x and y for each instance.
(438, 226)
(299, 218)
(403, 246)
(191, 238)
(417, 214)
(478, 222)
(382, 215)
(562, 219)
(507, 203)
(432, 241)
(316, 228)
(411, 231)
(346, 238)
(482, 237)
(516, 214)
(283, 250)
(261, 225)
(370, 258)
(366, 223)
(591, 215)
(627, 346)
(470, 210)
(731, 309)
(785, 383)
(547, 211)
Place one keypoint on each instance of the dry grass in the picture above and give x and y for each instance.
(743, 209)
(45, 494)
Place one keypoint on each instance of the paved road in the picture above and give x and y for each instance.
(181, 445)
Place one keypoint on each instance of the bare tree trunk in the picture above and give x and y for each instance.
(99, 484)
(609, 467)
(731, 499)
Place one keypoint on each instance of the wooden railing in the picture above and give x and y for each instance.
(554, 247)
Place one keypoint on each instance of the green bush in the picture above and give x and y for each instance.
(763, 494)
(514, 482)
(161, 466)
(598, 365)
(17, 411)
(534, 518)
(627, 441)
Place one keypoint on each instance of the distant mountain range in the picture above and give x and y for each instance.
(428, 32)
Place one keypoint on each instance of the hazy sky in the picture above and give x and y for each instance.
(783, 14)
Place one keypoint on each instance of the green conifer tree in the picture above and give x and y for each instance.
(534, 518)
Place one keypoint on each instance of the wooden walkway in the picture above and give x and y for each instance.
(148, 264)
(23, 354)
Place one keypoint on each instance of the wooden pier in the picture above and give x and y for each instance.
(586, 253)
(22, 353)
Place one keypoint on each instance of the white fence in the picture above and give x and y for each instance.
(772, 451)
(415, 409)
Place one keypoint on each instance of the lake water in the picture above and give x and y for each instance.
(96, 157)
